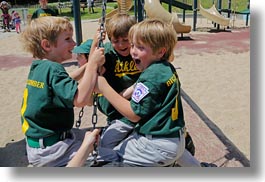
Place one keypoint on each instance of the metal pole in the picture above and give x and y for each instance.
(140, 11)
(77, 21)
(183, 14)
(194, 14)
(229, 8)
(219, 6)
(248, 7)
(170, 6)
(220, 10)
(135, 10)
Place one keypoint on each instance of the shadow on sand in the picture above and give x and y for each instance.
(14, 155)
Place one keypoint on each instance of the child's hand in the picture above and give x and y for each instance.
(101, 34)
(85, 149)
(97, 57)
(91, 138)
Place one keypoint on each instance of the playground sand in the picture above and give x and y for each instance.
(217, 80)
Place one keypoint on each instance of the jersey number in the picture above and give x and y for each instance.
(25, 124)
(175, 111)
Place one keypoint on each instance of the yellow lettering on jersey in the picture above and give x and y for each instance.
(35, 84)
(125, 68)
(44, 14)
(25, 125)
(172, 80)
(174, 111)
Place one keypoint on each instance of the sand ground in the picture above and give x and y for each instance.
(214, 69)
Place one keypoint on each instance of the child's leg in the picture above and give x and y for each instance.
(58, 154)
(115, 133)
(17, 27)
(187, 160)
(138, 150)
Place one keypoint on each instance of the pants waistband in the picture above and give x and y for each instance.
(47, 141)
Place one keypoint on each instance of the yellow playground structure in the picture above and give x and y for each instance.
(153, 9)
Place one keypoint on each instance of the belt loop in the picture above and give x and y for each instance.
(182, 131)
(41, 143)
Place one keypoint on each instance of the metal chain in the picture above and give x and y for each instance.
(102, 22)
(95, 99)
(78, 122)
(94, 115)
(94, 123)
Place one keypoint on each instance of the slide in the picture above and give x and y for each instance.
(123, 6)
(154, 9)
(213, 15)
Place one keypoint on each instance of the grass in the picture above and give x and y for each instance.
(83, 12)
(238, 5)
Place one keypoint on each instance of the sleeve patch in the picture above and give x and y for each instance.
(139, 92)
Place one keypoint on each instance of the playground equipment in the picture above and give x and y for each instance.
(154, 9)
(123, 6)
(245, 12)
(213, 15)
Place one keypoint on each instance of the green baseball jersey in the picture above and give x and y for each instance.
(156, 99)
(47, 106)
(121, 73)
(43, 12)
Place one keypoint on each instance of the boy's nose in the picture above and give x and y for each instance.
(74, 43)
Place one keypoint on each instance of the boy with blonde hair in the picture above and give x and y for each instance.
(47, 114)
(156, 107)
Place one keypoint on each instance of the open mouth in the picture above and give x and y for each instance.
(125, 49)
(137, 61)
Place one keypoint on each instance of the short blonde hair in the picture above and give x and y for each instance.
(156, 34)
(48, 27)
(119, 25)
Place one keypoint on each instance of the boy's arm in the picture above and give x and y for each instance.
(85, 149)
(78, 73)
(120, 103)
(88, 81)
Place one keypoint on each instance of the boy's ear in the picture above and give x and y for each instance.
(45, 44)
(161, 52)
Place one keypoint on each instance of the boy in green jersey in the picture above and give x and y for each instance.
(121, 73)
(47, 114)
(43, 10)
(156, 107)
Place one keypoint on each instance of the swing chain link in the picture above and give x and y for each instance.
(94, 115)
(78, 122)
(102, 23)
